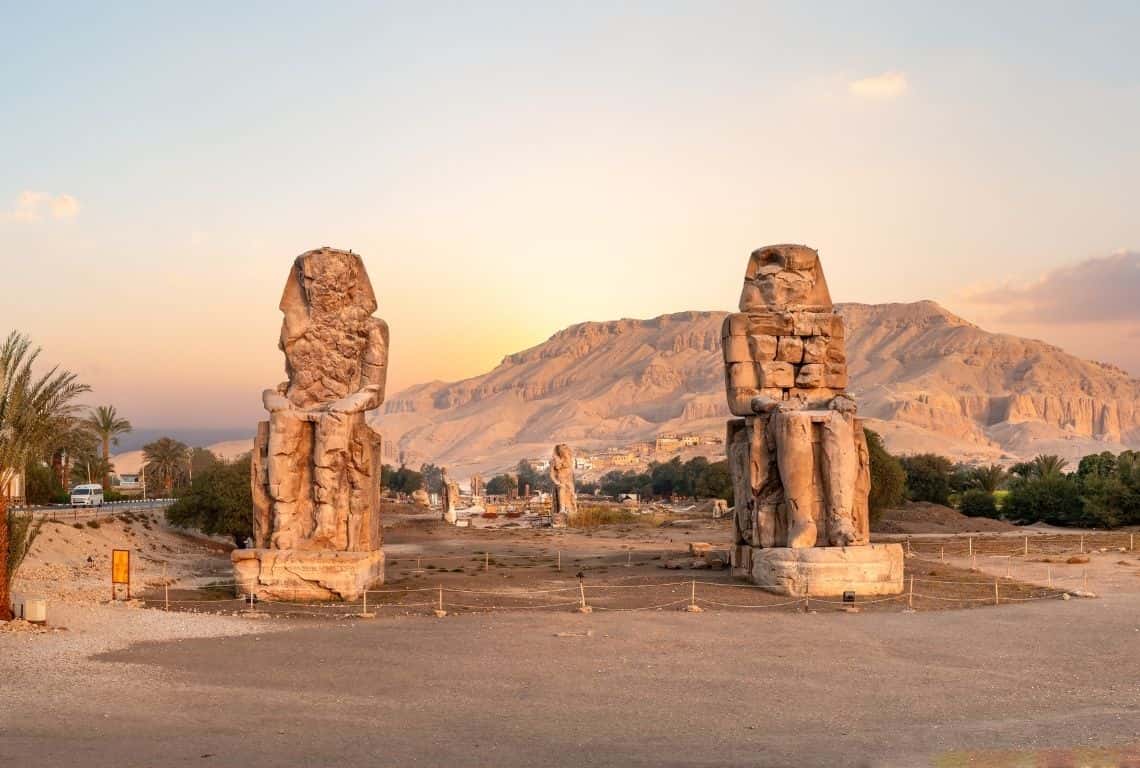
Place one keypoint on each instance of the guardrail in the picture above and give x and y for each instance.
(66, 512)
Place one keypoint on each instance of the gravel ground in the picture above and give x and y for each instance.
(1053, 683)
(36, 666)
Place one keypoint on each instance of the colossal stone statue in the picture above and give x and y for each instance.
(316, 461)
(565, 502)
(799, 459)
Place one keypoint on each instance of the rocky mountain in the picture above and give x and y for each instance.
(925, 378)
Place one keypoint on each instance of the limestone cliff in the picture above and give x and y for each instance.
(927, 379)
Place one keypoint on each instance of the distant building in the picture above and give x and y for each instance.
(127, 482)
(14, 489)
(539, 465)
(582, 463)
(667, 443)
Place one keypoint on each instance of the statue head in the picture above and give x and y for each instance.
(784, 277)
(327, 280)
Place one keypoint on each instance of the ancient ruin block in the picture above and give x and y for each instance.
(810, 376)
(790, 349)
(775, 374)
(737, 349)
(743, 376)
(762, 348)
(815, 349)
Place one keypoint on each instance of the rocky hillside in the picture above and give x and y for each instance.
(927, 379)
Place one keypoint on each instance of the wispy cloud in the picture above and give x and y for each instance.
(33, 206)
(1102, 289)
(885, 87)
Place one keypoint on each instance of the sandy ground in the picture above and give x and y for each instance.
(662, 689)
(1046, 682)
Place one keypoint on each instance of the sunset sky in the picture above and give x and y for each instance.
(507, 170)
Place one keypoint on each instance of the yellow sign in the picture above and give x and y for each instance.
(120, 566)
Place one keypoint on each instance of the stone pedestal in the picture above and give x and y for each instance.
(288, 574)
(867, 570)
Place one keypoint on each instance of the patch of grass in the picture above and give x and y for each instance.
(77, 526)
(92, 523)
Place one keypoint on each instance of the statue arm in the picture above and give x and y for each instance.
(374, 374)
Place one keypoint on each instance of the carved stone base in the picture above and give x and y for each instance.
(872, 569)
(288, 574)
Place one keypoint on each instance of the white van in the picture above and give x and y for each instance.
(87, 495)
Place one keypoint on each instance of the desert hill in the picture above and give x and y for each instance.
(926, 379)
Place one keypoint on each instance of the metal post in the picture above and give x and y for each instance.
(1082, 543)
(582, 592)
(560, 559)
(1027, 546)
(165, 589)
(1008, 565)
(1049, 570)
(908, 552)
(1085, 579)
(693, 592)
(441, 598)
(996, 598)
(971, 546)
(364, 606)
(910, 595)
(486, 561)
(943, 553)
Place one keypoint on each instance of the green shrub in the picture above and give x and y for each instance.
(92, 523)
(219, 502)
(928, 477)
(978, 503)
(888, 480)
(1053, 499)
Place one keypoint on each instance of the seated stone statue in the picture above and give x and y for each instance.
(320, 488)
(785, 369)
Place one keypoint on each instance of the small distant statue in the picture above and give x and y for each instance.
(449, 497)
(476, 488)
(565, 502)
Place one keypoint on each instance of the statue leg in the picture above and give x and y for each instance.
(795, 459)
(330, 453)
(840, 471)
(286, 432)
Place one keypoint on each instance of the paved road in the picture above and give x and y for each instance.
(646, 689)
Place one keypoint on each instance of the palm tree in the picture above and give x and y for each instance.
(989, 478)
(1048, 465)
(105, 423)
(166, 460)
(33, 411)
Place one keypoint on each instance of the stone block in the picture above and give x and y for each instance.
(762, 347)
(742, 376)
(288, 574)
(790, 349)
(757, 324)
(740, 400)
(736, 349)
(868, 570)
(810, 376)
(815, 349)
(776, 374)
(740, 560)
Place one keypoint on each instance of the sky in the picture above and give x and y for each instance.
(507, 170)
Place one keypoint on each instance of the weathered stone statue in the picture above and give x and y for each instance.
(316, 462)
(565, 502)
(449, 498)
(799, 459)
